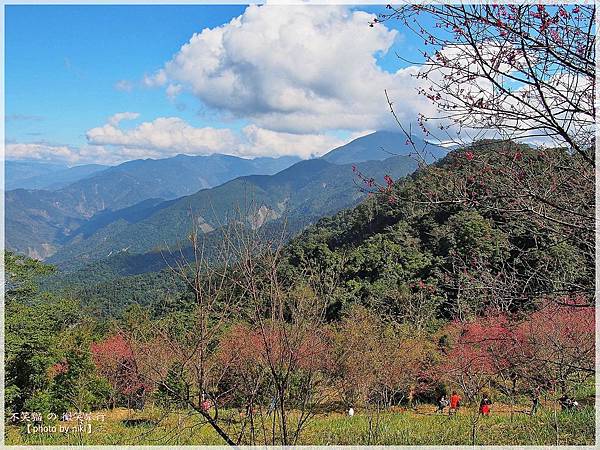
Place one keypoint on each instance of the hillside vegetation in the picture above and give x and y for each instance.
(463, 235)
(454, 278)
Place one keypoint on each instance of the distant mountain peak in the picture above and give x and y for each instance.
(381, 145)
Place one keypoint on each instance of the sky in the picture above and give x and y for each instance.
(106, 84)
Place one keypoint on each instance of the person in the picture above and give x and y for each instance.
(139, 399)
(535, 400)
(411, 398)
(454, 403)
(442, 403)
(565, 402)
(484, 406)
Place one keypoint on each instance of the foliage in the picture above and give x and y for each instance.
(379, 363)
(550, 349)
(21, 275)
(113, 359)
(75, 384)
(458, 239)
(31, 346)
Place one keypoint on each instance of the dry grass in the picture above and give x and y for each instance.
(394, 427)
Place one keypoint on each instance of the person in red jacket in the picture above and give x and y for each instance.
(454, 403)
(484, 406)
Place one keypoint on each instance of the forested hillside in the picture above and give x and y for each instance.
(464, 235)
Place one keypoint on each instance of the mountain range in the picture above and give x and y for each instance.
(38, 222)
(49, 176)
(144, 205)
(304, 192)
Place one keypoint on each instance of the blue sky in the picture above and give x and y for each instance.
(62, 62)
(69, 69)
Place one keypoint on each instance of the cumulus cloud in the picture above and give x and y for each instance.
(263, 142)
(167, 134)
(303, 69)
(73, 155)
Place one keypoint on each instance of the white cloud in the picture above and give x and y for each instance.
(124, 86)
(173, 90)
(158, 79)
(39, 151)
(263, 142)
(298, 69)
(118, 117)
(75, 155)
(166, 135)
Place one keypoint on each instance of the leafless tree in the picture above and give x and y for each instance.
(240, 281)
(287, 317)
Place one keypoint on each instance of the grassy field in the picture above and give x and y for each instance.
(399, 427)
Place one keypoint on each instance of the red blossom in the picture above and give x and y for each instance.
(534, 348)
(115, 360)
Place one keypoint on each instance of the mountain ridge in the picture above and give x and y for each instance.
(107, 204)
(381, 145)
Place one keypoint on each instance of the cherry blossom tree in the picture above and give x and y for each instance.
(114, 360)
(509, 71)
(548, 349)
